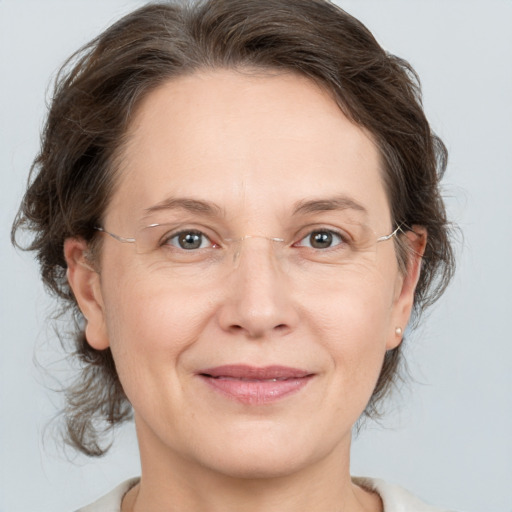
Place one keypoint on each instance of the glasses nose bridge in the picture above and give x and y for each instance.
(238, 247)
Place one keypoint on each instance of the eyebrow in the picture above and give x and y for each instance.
(188, 204)
(328, 204)
(210, 209)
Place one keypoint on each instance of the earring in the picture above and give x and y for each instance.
(398, 331)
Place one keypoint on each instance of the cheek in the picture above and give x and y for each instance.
(356, 323)
(356, 330)
(150, 325)
(357, 304)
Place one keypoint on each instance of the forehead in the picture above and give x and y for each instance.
(248, 143)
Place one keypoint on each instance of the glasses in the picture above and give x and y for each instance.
(199, 252)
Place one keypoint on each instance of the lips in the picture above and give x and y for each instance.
(255, 385)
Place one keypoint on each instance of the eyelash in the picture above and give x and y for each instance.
(341, 237)
(166, 240)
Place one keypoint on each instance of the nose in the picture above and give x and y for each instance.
(258, 300)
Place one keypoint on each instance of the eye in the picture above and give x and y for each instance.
(189, 240)
(321, 239)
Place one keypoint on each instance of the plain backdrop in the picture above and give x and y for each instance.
(448, 435)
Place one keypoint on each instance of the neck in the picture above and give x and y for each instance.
(175, 483)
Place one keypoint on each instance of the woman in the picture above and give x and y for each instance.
(239, 202)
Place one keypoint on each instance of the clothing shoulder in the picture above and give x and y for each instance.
(111, 502)
(394, 497)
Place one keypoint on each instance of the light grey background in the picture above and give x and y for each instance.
(448, 437)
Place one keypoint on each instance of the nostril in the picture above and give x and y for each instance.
(256, 333)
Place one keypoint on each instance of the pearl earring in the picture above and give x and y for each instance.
(398, 331)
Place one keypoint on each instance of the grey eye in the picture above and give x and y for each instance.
(321, 239)
(189, 240)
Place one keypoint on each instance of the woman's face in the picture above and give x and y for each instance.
(259, 361)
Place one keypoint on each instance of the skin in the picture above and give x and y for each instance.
(255, 145)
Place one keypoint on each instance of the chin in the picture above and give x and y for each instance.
(260, 466)
(257, 456)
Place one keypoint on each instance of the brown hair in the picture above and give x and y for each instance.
(98, 89)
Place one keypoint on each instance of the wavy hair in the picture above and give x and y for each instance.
(99, 88)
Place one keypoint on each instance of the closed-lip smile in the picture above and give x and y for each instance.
(255, 385)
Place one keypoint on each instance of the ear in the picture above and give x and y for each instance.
(416, 239)
(85, 282)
